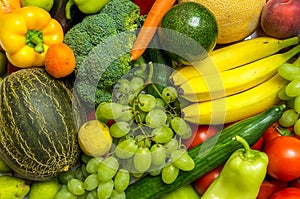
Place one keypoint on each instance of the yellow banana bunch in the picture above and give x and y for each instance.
(236, 107)
(212, 86)
(232, 56)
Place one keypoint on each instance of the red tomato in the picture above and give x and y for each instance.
(145, 5)
(202, 183)
(287, 193)
(200, 134)
(274, 131)
(268, 187)
(284, 158)
(258, 145)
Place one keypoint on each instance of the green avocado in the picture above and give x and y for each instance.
(188, 32)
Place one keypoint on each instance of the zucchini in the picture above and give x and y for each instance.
(208, 155)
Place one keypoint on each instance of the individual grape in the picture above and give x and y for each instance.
(158, 154)
(109, 110)
(147, 102)
(127, 114)
(172, 146)
(182, 160)
(290, 103)
(297, 104)
(122, 180)
(293, 88)
(126, 148)
(160, 104)
(75, 186)
(91, 182)
(119, 129)
(179, 125)
(66, 176)
(162, 134)
(188, 132)
(105, 189)
(92, 164)
(84, 171)
(92, 195)
(289, 71)
(297, 127)
(136, 83)
(169, 173)
(136, 174)
(85, 158)
(155, 170)
(79, 173)
(117, 195)
(169, 93)
(64, 193)
(108, 168)
(282, 94)
(142, 159)
(83, 196)
(156, 118)
(143, 141)
(123, 86)
(288, 118)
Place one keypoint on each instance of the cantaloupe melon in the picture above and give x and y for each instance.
(236, 19)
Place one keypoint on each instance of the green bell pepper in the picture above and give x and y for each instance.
(241, 176)
(85, 6)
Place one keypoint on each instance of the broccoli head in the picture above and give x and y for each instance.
(78, 39)
(124, 12)
(102, 43)
(99, 27)
(105, 65)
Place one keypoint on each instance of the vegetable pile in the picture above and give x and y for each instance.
(123, 99)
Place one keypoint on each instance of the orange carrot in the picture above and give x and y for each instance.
(148, 29)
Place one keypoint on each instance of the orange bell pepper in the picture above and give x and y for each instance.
(26, 34)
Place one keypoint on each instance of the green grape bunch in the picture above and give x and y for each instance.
(147, 127)
(290, 95)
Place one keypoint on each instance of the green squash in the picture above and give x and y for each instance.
(39, 121)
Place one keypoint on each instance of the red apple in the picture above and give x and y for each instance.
(281, 18)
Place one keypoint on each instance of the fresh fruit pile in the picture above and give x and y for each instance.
(149, 99)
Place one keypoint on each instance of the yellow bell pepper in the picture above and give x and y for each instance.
(26, 34)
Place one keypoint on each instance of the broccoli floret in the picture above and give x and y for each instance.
(78, 39)
(99, 27)
(124, 12)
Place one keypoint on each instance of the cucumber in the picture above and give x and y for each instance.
(208, 155)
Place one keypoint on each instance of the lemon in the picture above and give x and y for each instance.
(45, 4)
(44, 189)
(94, 138)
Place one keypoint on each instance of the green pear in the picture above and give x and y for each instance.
(13, 187)
(44, 189)
(3, 167)
(45, 4)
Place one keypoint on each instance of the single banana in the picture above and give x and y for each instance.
(235, 107)
(232, 56)
(203, 88)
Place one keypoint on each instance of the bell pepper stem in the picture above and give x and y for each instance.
(248, 151)
(34, 39)
(39, 44)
